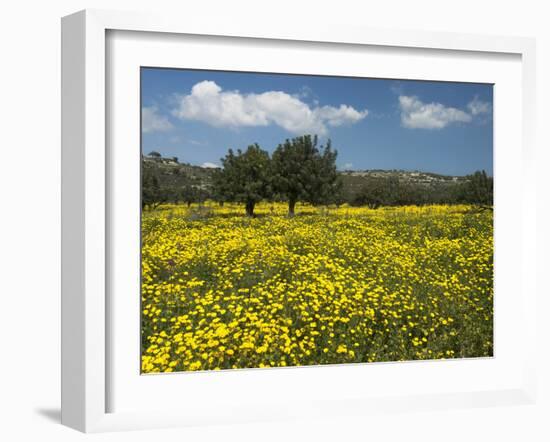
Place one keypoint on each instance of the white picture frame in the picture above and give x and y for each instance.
(86, 314)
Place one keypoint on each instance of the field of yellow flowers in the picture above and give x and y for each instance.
(329, 286)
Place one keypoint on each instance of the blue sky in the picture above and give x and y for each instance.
(430, 126)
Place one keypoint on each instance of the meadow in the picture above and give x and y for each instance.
(328, 286)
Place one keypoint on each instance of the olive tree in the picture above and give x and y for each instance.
(303, 172)
(244, 177)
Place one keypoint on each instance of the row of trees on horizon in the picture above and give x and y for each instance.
(301, 171)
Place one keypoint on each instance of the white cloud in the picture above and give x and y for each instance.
(416, 114)
(209, 165)
(476, 106)
(208, 103)
(339, 116)
(348, 166)
(151, 121)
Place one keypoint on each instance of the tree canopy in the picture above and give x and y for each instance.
(302, 172)
(152, 194)
(245, 177)
(478, 189)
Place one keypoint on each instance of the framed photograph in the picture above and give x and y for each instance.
(264, 223)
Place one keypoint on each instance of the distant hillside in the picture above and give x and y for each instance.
(177, 178)
(354, 180)
(172, 173)
(415, 177)
(170, 169)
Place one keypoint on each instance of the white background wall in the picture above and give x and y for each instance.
(30, 214)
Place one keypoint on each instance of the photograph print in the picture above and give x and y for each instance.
(298, 220)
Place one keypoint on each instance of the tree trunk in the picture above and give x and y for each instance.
(291, 205)
(250, 208)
